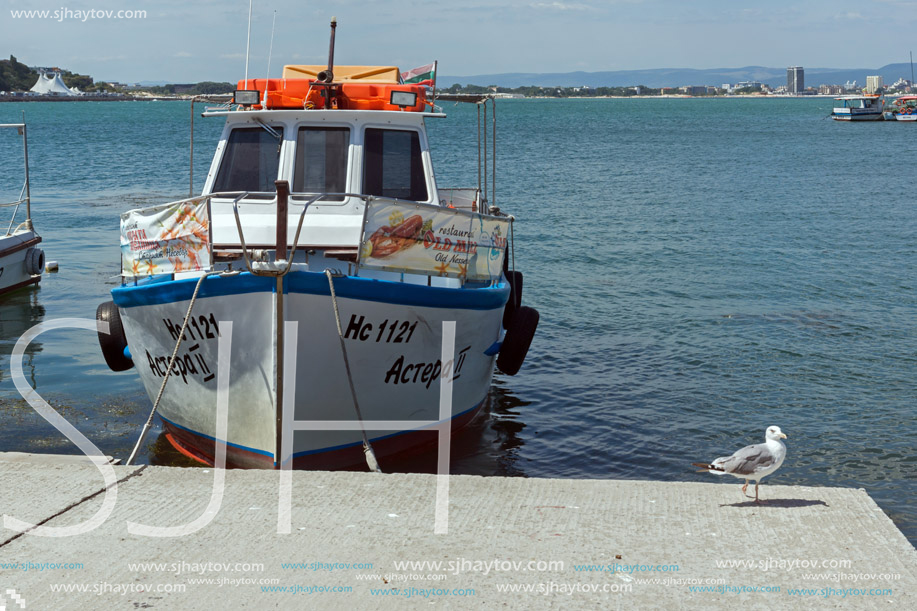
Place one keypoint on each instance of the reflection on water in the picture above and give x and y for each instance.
(19, 312)
(55, 365)
(488, 445)
(163, 454)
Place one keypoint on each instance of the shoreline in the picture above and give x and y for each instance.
(132, 98)
(87, 98)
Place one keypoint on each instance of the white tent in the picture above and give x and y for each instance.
(51, 83)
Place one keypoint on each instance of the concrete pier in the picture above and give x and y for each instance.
(511, 543)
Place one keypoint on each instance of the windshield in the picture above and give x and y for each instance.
(393, 166)
(321, 160)
(250, 162)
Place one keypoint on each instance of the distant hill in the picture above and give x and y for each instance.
(16, 76)
(152, 83)
(675, 77)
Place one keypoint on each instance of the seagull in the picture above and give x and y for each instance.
(753, 462)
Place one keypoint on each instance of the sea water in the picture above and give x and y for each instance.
(704, 268)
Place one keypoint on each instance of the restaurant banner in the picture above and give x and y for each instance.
(420, 238)
(165, 239)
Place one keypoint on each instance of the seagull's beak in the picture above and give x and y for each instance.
(783, 435)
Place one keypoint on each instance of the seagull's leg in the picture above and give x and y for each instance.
(744, 487)
(756, 494)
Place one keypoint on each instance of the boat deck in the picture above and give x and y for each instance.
(694, 530)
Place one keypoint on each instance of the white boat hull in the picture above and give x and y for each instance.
(856, 116)
(393, 336)
(14, 250)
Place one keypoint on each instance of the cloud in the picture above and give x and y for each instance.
(560, 6)
(182, 54)
(849, 16)
(901, 3)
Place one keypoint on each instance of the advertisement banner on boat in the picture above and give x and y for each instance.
(431, 240)
(166, 239)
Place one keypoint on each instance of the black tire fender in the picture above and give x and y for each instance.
(113, 343)
(517, 340)
(515, 296)
(34, 261)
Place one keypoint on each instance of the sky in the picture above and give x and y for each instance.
(183, 41)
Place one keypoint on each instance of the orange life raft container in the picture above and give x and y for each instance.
(296, 93)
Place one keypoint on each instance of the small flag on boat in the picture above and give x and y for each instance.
(423, 75)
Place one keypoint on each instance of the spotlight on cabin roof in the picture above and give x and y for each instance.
(246, 97)
(403, 99)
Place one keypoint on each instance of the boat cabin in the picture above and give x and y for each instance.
(333, 152)
(860, 101)
(338, 145)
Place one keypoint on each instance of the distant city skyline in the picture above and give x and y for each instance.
(178, 41)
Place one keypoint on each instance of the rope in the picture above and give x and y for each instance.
(367, 448)
(181, 335)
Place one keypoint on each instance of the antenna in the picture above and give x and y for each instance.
(912, 69)
(269, 53)
(248, 43)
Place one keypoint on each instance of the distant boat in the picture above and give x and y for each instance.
(866, 107)
(902, 109)
(21, 261)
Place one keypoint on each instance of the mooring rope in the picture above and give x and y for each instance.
(367, 448)
(162, 387)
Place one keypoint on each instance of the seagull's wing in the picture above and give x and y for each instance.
(748, 461)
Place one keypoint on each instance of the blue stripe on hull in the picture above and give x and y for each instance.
(314, 283)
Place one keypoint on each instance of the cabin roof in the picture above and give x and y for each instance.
(375, 116)
(363, 74)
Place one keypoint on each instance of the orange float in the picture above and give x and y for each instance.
(298, 93)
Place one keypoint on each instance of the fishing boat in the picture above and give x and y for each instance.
(902, 109)
(356, 288)
(21, 261)
(867, 107)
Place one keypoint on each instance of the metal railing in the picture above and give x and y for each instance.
(280, 253)
(26, 187)
(284, 255)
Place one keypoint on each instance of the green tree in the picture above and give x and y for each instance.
(211, 88)
(15, 76)
(80, 81)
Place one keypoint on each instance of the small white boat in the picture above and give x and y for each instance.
(902, 109)
(21, 261)
(866, 107)
(323, 236)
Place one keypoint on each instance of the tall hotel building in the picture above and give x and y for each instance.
(795, 79)
(874, 84)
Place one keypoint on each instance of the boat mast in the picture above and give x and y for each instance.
(326, 76)
(330, 75)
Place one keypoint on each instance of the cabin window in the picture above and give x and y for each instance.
(321, 160)
(250, 162)
(393, 166)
